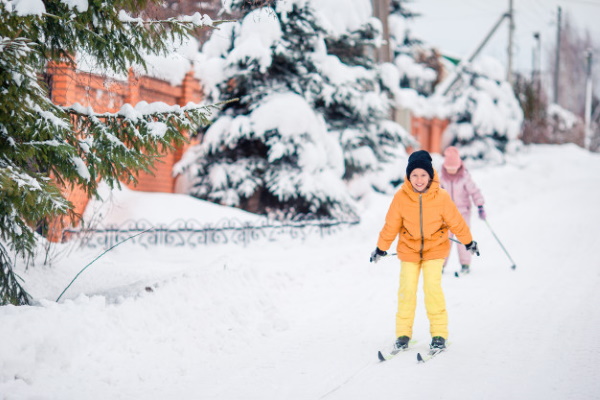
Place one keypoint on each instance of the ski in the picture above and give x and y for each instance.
(458, 274)
(385, 355)
(431, 354)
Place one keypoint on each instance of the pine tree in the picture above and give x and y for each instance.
(486, 116)
(269, 152)
(260, 167)
(357, 108)
(419, 65)
(354, 47)
(45, 148)
(398, 7)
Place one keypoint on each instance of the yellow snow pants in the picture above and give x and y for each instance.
(435, 303)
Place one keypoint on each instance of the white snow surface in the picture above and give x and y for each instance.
(303, 319)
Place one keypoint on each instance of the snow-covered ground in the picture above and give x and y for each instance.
(294, 319)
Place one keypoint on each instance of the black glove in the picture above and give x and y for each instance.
(377, 254)
(481, 212)
(472, 247)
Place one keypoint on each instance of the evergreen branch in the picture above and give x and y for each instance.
(45, 148)
(11, 291)
(76, 111)
(75, 24)
(178, 21)
(190, 22)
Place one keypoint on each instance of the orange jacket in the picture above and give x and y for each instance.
(422, 220)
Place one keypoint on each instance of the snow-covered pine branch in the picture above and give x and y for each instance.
(45, 148)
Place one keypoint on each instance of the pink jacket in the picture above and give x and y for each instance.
(462, 189)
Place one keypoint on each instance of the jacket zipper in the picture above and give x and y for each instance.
(421, 224)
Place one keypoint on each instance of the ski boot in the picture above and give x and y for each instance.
(437, 343)
(464, 269)
(401, 343)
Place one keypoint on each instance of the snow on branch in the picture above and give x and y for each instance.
(144, 110)
(196, 20)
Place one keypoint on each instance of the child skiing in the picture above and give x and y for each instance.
(421, 213)
(458, 182)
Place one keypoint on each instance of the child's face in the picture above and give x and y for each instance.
(419, 179)
(451, 171)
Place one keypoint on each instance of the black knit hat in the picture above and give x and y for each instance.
(419, 159)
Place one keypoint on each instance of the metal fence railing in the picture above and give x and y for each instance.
(192, 233)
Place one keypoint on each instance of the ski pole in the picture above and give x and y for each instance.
(514, 266)
(395, 254)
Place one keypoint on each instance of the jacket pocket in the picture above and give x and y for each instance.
(436, 235)
(436, 239)
(408, 240)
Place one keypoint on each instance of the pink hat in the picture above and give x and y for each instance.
(452, 158)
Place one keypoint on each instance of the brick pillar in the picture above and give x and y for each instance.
(64, 83)
(437, 128)
(191, 90)
(133, 88)
(162, 179)
(427, 134)
(415, 127)
(419, 131)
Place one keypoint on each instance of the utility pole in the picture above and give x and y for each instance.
(588, 102)
(511, 32)
(538, 70)
(557, 60)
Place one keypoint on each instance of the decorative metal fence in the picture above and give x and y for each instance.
(192, 233)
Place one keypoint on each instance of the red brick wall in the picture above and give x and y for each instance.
(428, 132)
(153, 90)
(69, 86)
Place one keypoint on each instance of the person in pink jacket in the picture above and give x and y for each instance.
(464, 192)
